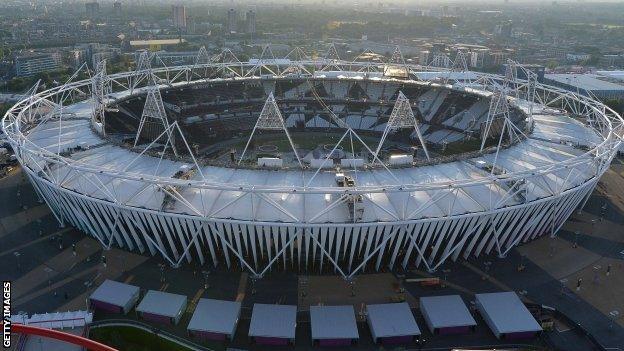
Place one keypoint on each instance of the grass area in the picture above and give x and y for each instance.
(133, 339)
(308, 141)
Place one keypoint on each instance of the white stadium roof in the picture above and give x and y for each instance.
(95, 183)
(525, 156)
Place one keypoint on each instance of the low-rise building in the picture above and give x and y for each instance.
(587, 84)
(35, 63)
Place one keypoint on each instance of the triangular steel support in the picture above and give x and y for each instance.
(226, 58)
(349, 132)
(143, 70)
(459, 65)
(30, 94)
(270, 119)
(402, 116)
(267, 58)
(331, 58)
(397, 60)
(202, 56)
(297, 54)
(296, 57)
(500, 107)
(367, 56)
(154, 113)
(100, 89)
(441, 61)
(530, 87)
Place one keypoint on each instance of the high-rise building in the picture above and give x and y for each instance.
(504, 29)
(117, 9)
(424, 57)
(250, 22)
(232, 21)
(179, 16)
(92, 8)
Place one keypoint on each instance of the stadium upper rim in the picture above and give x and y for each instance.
(601, 119)
(468, 206)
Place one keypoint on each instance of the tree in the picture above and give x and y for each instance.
(616, 104)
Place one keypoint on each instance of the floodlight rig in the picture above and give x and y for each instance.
(154, 113)
(402, 116)
(397, 59)
(331, 59)
(143, 70)
(355, 64)
(500, 108)
(459, 65)
(270, 119)
(441, 60)
(202, 56)
(266, 57)
(101, 87)
(529, 87)
(30, 93)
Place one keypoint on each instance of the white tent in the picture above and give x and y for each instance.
(215, 319)
(392, 322)
(333, 325)
(161, 306)
(446, 314)
(114, 296)
(506, 315)
(273, 324)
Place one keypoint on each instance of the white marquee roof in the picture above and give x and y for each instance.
(391, 320)
(162, 303)
(505, 313)
(115, 293)
(215, 316)
(333, 322)
(273, 321)
(445, 311)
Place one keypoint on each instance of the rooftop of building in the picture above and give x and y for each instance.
(586, 81)
(156, 42)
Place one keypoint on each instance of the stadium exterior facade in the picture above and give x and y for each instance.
(298, 219)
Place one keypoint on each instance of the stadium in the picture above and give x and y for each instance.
(312, 164)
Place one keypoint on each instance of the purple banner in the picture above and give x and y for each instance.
(334, 342)
(454, 330)
(520, 335)
(156, 318)
(395, 340)
(106, 307)
(262, 340)
(209, 335)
